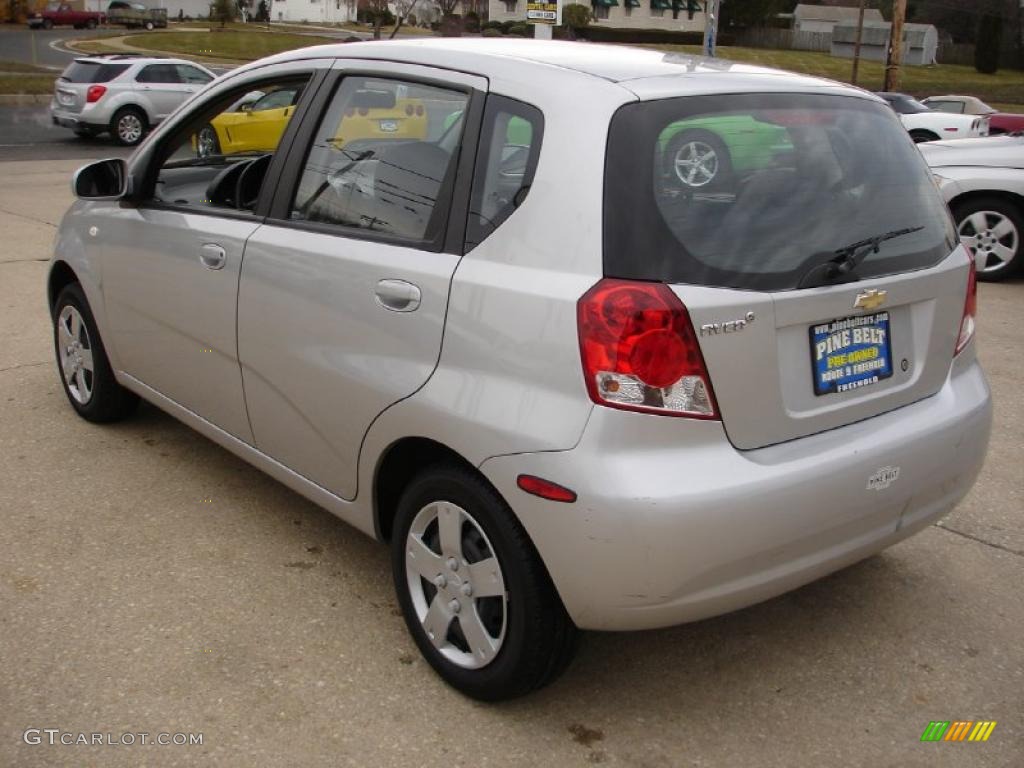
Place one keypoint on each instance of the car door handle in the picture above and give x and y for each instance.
(212, 256)
(398, 295)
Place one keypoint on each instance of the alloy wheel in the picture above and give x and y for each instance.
(456, 585)
(993, 235)
(76, 360)
(696, 163)
(129, 128)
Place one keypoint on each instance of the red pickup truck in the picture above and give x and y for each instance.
(57, 14)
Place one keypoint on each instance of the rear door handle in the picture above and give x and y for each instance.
(212, 256)
(398, 295)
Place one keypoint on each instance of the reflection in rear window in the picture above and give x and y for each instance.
(92, 72)
(752, 190)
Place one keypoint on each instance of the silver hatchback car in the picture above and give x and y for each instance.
(596, 338)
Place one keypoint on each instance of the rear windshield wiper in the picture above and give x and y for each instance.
(841, 263)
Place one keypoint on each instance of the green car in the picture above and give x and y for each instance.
(710, 151)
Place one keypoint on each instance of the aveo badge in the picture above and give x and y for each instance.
(883, 478)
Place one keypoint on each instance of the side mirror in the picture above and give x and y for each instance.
(102, 180)
(246, 106)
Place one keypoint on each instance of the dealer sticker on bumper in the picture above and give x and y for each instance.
(850, 353)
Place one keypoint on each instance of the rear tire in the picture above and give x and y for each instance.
(85, 371)
(149, 25)
(207, 143)
(506, 633)
(996, 228)
(920, 136)
(128, 126)
(47, 24)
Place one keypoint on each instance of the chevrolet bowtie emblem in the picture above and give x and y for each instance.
(870, 299)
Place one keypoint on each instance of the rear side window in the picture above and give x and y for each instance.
(753, 191)
(506, 161)
(92, 72)
(383, 159)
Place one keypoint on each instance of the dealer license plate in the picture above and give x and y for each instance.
(850, 353)
(389, 126)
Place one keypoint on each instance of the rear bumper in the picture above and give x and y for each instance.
(68, 119)
(673, 524)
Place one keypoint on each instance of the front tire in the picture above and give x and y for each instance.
(995, 228)
(207, 143)
(128, 126)
(473, 590)
(85, 372)
(149, 26)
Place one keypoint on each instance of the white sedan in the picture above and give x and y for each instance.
(925, 124)
(983, 183)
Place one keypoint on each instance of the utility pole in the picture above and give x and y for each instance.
(710, 26)
(856, 44)
(892, 66)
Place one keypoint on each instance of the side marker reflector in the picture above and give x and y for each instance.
(545, 489)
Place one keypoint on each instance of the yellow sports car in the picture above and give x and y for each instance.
(256, 122)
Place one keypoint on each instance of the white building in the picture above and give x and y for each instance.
(920, 42)
(822, 18)
(635, 14)
(192, 8)
(313, 11)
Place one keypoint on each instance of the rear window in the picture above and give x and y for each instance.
(753, 191)
(92, 72)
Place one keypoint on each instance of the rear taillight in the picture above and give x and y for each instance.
(95, 93)
(967, 323)
(640, 352)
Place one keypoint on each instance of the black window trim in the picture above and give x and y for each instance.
(158, 154)
(524, 110)
(454, 190)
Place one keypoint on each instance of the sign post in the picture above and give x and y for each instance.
(543, 15)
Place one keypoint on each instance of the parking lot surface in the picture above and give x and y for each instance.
(152, 582)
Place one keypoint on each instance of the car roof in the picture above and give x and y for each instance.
(527, 60)
(129, 58)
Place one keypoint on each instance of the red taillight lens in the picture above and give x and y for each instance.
(538, 486)
(409, 110)
(419, 110)
(967, 323)
(350, 112)
(95, 93)
(640, 352)
(364, 111)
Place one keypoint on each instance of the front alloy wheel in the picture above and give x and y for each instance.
(75, 351)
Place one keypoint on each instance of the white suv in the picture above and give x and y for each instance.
(125, 94)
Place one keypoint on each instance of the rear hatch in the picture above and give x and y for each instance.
(70, 90)
(806, 238)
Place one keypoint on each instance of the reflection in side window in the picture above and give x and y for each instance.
(220, 160)
(509, 147)
(381, 157)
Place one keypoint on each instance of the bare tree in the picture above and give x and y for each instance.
(402, 10)
(446, 7)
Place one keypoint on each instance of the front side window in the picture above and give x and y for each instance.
(187, 74)
(383, 159)
(219, 160)
(506, 161)
(752, 191)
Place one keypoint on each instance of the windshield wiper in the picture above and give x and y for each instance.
(841, 263)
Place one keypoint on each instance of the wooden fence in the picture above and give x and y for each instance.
(784, 39)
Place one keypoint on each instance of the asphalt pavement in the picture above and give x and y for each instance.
(151, 582)
(42, 46)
